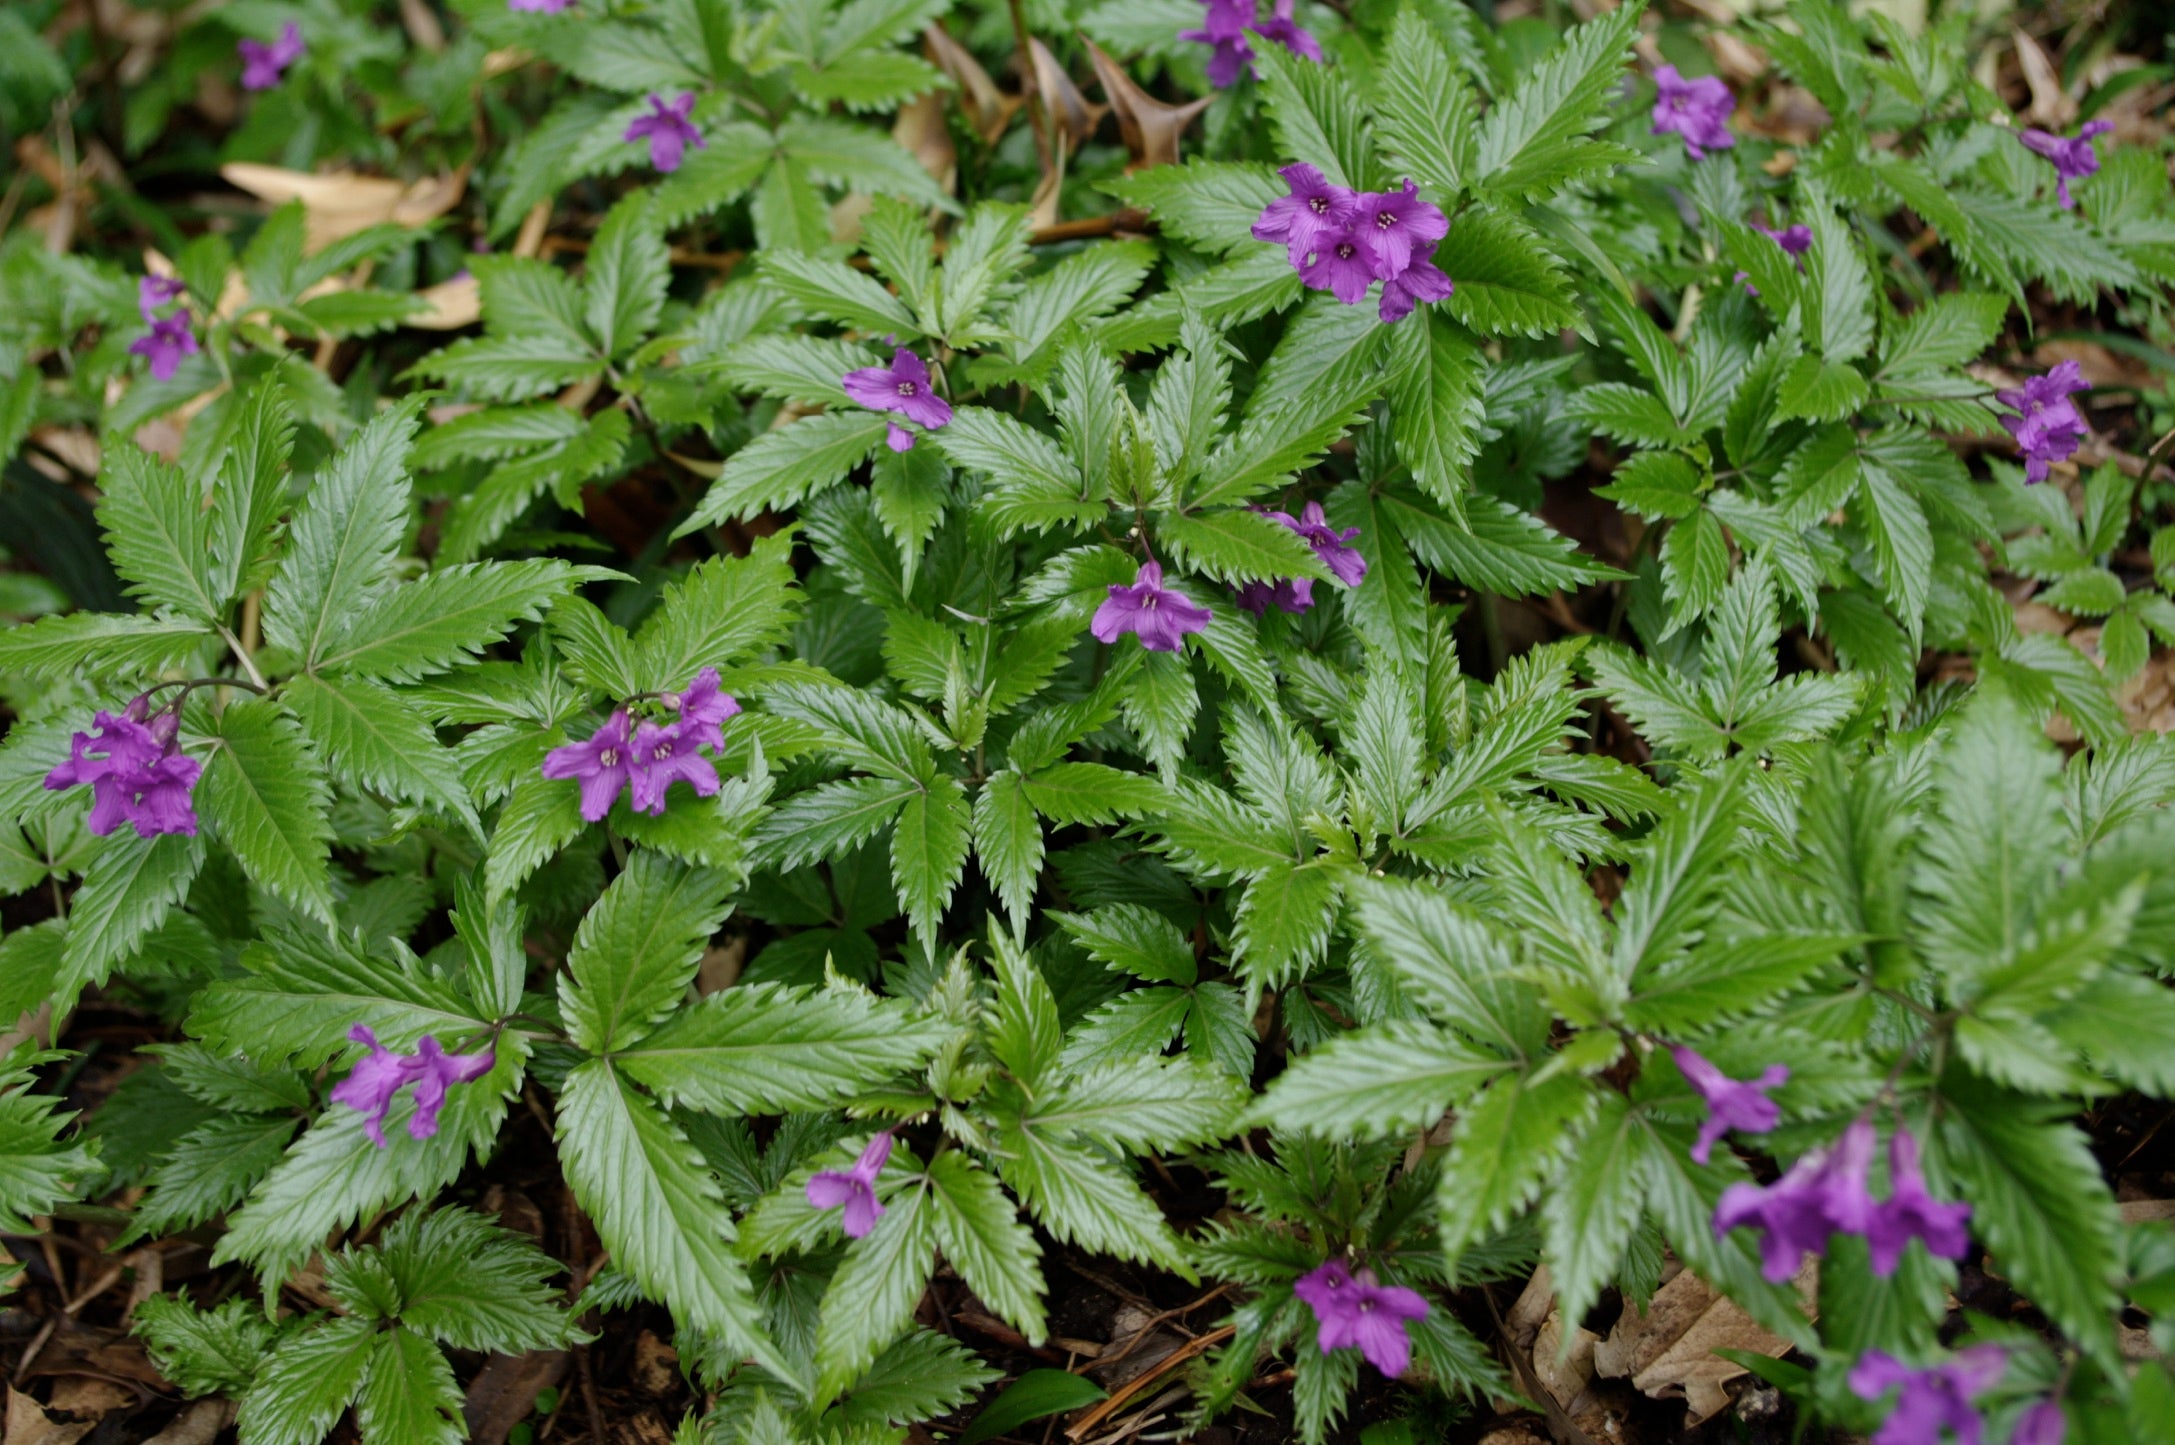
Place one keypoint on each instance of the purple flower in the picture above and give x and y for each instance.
(603, 763)
(668, 129)
(1356, 1311)
(539, 7)
(1823, 1193)
(1286, 594)
(382, 1074)
(2047, 426)
(2073, 157)
(1391, 225)
(1698, 110)
(703, 709)
(1224, 28)
(1281, 29)
(1794, 240)
(663, 754)
(1911, 1213)
(1331, 546)
(1159, 616)
(1339, 265)
(1730, 1104)
(903, 387)
(262, 64)
(153, 292)
(1313, 211)
(1933, 1399)
(137, 774)
(2042, 1424)
(1420, 281)
(856, 1188)
(169, 340)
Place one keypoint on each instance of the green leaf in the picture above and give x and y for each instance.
(470, 1284)
(918, 1377)
(127, 893)
(1210, 205)
(871, 1298)
(341, 542)
(1284, 920)
(1035, 1395)
(541, 816)
(929, 853)
(1534, 140)
(1081, 1199)
(768, 1049)
(1694, 566)
(629, 269)
(835, 290)
(986, 252)
(447, 616)
(860, 158)
(1592, 1206)
(1508, 283)
(308, 1382)
(637, 950)
(36, 1170)
(1428, 119)
(264, 796)
(1502, 1150)
(375, 739)
(1238, 546)
(828, 820)
(2040, 1202)
(1436, 411)
(725, 610)
(99, 644)
(205, 1352)
(208, 1171)
(657, 1209)
(1375, 1083)
(410, 1395)
(1500, 549)
(1838, 289)
(1008, 843)
(1317, 117)
(158, 531)
(1135, 939)
(734, 158)
(1090, 793)
(980, 1232)
(782, 467)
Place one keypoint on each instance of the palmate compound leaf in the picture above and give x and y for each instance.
(657, 1208)
(771, 1049)
(470, 1284)
(638, 948)
(206, 1352)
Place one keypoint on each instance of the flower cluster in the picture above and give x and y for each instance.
(855, 1188)
(1697, 110)
(1226, 26)
(382, 1074)
(2073, 156)
(540, 7)
(1159, 616)
(1731, 1104)
(263, 65)
(903, 387)
(1296, 594)
(1826, 1193)
(1342, 241)
(647, 758)
(1352, 1310)
(1938, 1402)
(137, 772)
(169, 338)
(2047, 425)
(668, 130)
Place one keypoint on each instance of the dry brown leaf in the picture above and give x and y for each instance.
(342, 203)
(453, 304)
(656, 1365)
(503, 1394)
(1149, 128)
(29, 1424)
(1072, 114)
(921, 129)
(988, 110)
(1669, 1350)
(721, 965)
(2051, 105)
(200, 1424)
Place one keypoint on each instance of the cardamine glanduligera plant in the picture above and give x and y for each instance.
(1411, 687)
